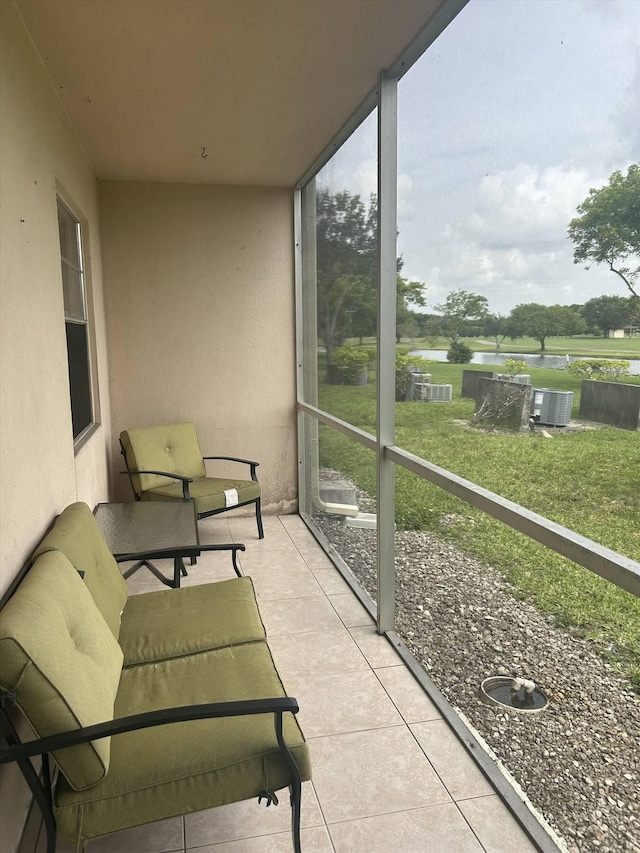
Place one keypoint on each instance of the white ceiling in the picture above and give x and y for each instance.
(261, 85)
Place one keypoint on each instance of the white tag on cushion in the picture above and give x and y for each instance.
(231, 497)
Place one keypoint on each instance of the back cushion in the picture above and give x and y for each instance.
(62, 660)
(77, 535)
(173, 448)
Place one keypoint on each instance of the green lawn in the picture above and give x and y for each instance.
(588, 481)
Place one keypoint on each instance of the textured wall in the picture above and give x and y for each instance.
(200, 314)
(614, 403)
(39, 473)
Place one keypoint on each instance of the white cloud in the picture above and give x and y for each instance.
(526, 206)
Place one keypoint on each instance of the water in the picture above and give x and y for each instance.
(556, 362)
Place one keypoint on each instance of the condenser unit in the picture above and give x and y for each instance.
(552, 408)
(438, 393)
(520, 378)
(419, 381)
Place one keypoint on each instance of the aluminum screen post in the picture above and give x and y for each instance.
(387, 284)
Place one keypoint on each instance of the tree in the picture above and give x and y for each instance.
(570, 321)
(607, 230)
(544, 321)
(346, 235)
(535, 321)
(459, 308)
(346, 257)
(495, 326)
(607, 312)
(407, 293)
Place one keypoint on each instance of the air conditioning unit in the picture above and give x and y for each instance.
(552, 408)
(419, 381)
(438, 393)
(520, 378)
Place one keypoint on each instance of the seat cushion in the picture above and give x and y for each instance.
(209, 493)
(172, 770)
(76, 534)
(59, 655)
(167, 624)
(172, 447)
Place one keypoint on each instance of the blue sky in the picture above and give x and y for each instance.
(504, 124)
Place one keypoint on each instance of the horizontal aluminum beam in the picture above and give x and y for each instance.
(620, 570)
(614, 567)
(358, 435)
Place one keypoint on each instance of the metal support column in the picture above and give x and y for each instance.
(387, 283)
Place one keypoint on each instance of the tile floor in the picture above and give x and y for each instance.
(388, 775)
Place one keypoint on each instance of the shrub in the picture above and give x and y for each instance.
(459, 353)
(604, 370)
(352, 361)
(405, 366)
(514, 365)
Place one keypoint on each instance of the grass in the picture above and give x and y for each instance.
(587, 481)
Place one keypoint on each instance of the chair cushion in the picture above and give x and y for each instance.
(59, 655)
(173, 448)
(172, 770)
(174, 622)
(77, 535)
(208, 493)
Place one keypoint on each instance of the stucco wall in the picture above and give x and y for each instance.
(200, 313)
(39, 472)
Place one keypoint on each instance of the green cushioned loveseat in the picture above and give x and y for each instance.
(150, 706)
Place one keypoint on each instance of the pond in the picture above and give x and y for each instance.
(557, 362)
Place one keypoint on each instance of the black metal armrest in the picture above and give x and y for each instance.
(249, 462)
(184, 480)
(162, 717)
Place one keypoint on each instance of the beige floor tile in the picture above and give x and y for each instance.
(284, 581)
(494, 825)
(246, 529)
(437, 829)
(303, 539)
(213, 530)
(350, 611)
(315, 557)
(313, 840)
(272, 551)
(274, 557)
(456, 768)
(249, 818)
(376, 648)
(292, 522)
(342, 702)
(316, 654)
(360, 774)
(407, 695)
(299, 616)
(332, 581)
(164, 836)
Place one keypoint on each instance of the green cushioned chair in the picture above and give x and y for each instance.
(166, 463)
(153, 740)
(153, 626)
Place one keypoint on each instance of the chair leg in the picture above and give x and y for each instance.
(296, 797)
(259, 519)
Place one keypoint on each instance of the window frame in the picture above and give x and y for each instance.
(89, 358)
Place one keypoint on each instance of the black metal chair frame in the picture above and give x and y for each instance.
(41, 788)
(186, 480)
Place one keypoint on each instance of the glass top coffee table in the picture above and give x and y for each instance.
(142, 531)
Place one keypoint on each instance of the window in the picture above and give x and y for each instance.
(75, 317)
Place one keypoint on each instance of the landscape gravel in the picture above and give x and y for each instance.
(578, 760)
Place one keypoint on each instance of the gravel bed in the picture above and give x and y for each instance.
(578, 760)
